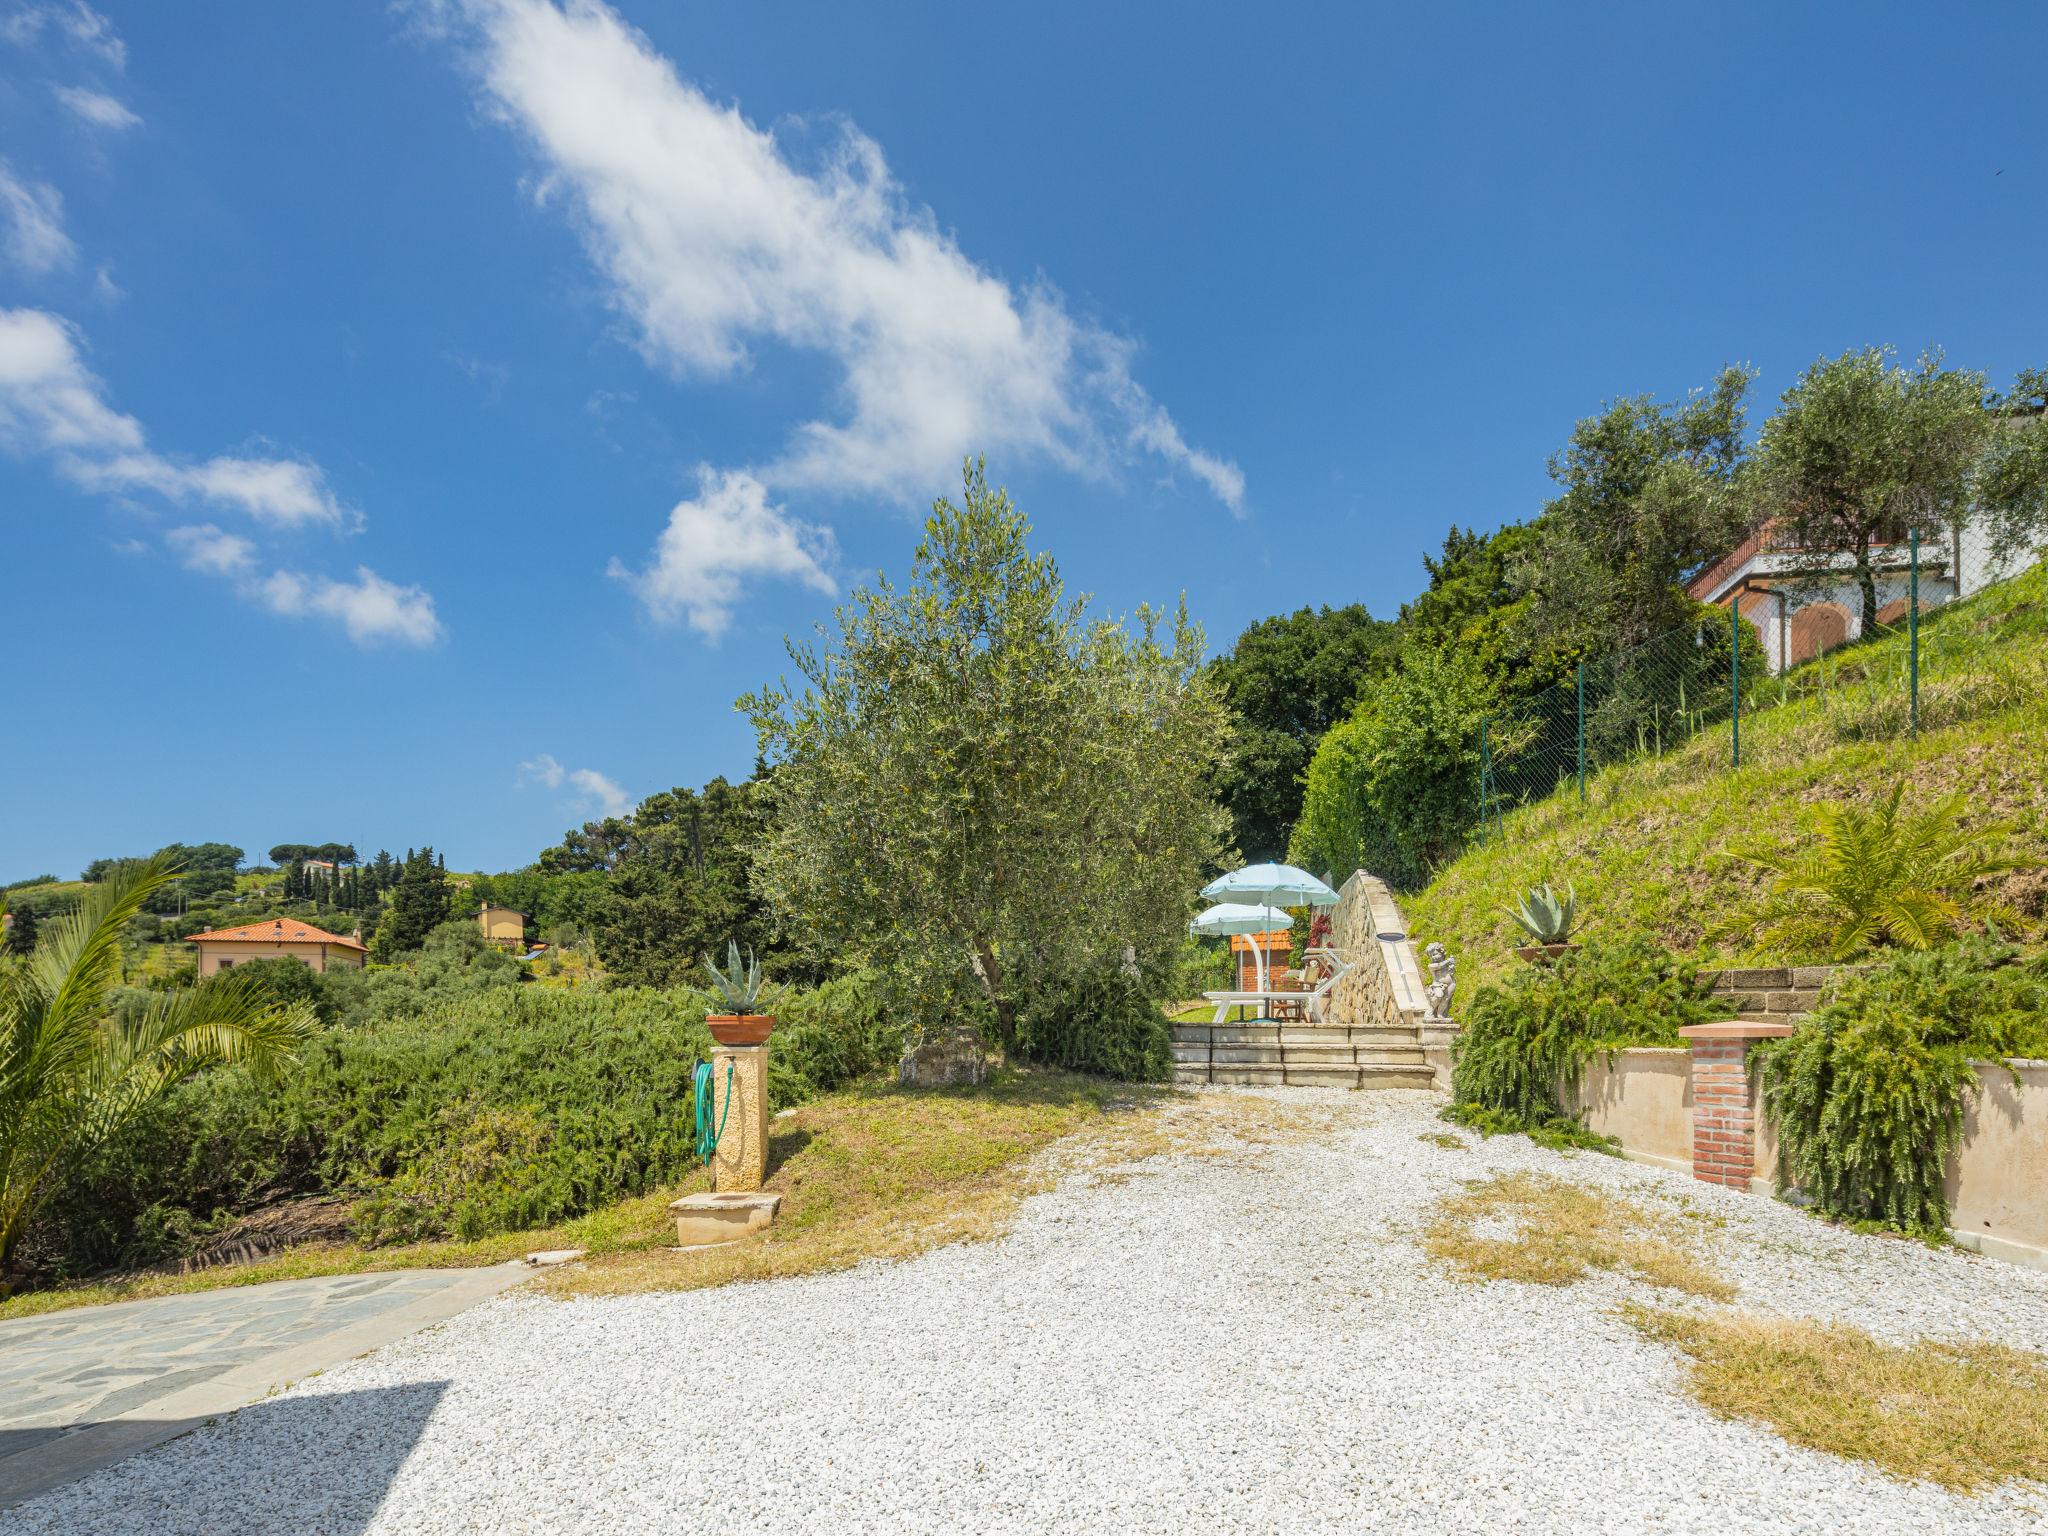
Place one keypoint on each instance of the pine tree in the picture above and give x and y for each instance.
(21, 932)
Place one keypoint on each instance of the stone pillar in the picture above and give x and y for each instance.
(1723, 1122)
(741, 1161)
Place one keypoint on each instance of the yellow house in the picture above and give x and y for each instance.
(501, 925)
(227, 947)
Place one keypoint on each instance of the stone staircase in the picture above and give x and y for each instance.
(1301, 1055)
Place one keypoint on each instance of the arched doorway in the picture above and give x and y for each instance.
(1818, 627)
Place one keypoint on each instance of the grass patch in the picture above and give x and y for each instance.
(1544, 1230)
(880, 1171)
(1643, 851)
(1445, 1140)
(1559, 1133)
(1965, 1416)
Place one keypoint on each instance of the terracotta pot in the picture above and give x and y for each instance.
(1543, 954)
(740, 1028)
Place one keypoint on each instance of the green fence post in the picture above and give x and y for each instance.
(1735, 681)
(1582, 733)
(1485, 777)
(1913, 630)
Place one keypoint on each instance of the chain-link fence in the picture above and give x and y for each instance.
(1857, 642)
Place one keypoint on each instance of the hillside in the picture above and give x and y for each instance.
(1646, 850)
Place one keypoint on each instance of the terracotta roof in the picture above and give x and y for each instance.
(1278, 938)
(283, 931)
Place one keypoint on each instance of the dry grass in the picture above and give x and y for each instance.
(1550, 1231)
(887, 1173)
(1445, 1140)
(1965, 1416)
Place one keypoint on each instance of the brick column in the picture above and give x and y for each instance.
(1723, 1130)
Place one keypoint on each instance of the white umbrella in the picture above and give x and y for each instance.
(1278, 885)
(1240, 917)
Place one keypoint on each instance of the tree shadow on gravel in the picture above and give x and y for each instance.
(322, 1462)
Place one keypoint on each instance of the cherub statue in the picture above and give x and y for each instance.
(1443, 980)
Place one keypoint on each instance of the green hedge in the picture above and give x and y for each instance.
(494, 1112)
(1105, 1021)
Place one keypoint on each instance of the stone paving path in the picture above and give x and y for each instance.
(81, 1388)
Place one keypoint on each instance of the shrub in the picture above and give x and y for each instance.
(1524, 1043)
(1872, 876)
(1869, 1092)
(490, 1112)
(1104, 1021)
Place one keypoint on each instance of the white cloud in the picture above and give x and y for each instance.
(370, 609)
(729, 531)
(594, 790)
(32, 223)
(96, 107)
(714, 241)
(50, 402)
(75, 21)
(206, 548)
(52, 405)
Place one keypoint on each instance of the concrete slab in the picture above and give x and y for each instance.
(84, 1388)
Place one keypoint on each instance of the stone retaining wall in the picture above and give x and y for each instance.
(1777, 994)
(1997, 1191)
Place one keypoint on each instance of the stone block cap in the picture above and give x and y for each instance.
(1736, 1029)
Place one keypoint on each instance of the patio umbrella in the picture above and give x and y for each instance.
(1241, 917)
(1275, 885)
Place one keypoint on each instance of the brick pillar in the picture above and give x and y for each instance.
(1723, 1128)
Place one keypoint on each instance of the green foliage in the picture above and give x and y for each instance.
(1395, 788)
(490, 1112)
(71, 1077)
(1861, 452)
(1523, 1044)
(1546, 917)
(1104, 1020)
(1289, 679)
(1557, 1132)
(1649, 496)
(1872, 876)
(454, 962)
(419, 904)
(1869, 1092)
(976, 790)
(665, 884)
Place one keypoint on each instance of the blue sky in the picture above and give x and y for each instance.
(419, 424)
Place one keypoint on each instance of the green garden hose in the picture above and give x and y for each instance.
(707, 1138)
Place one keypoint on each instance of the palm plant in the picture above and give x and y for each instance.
(1874, 876)
(71, 1075)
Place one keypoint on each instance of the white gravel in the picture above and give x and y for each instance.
(1246, 1343)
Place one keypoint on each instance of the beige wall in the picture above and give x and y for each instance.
(321, 957)
(502, 924)
(1997, 1180)
(1642, 1098)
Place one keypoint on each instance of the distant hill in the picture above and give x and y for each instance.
(1642, 852)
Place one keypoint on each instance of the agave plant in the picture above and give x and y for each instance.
(71, 1075)
(739, 987)
(1545, 916)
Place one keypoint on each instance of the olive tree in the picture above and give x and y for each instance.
(979, 791)
(1862, 453)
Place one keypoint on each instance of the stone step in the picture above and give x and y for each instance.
(1309, 1056)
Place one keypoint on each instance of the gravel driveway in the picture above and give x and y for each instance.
(1238, 1342)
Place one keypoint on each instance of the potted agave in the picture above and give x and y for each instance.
(1548, 919)
(740, 990)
